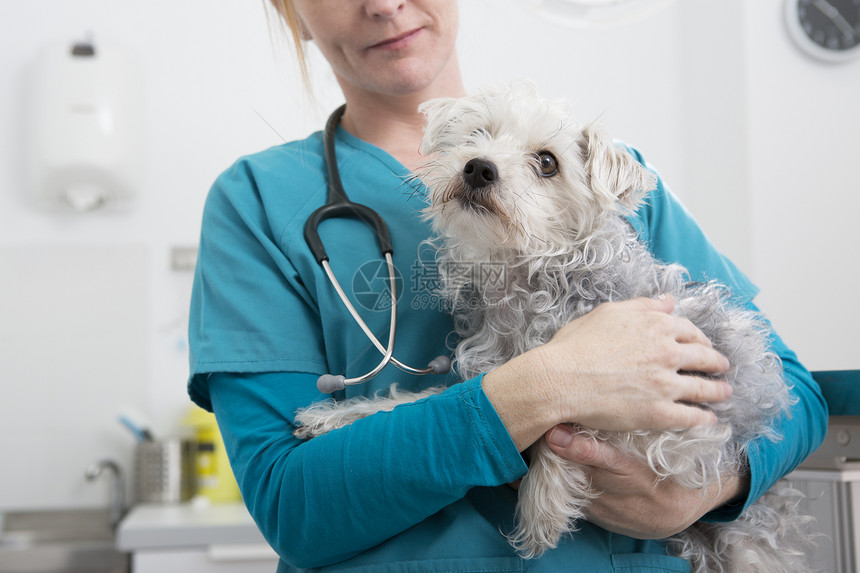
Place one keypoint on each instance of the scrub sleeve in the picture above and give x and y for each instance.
(420, 488)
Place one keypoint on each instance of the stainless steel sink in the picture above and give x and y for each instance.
(63, 541)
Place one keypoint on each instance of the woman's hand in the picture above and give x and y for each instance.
(633, 501)
(633, 362)
(623, 366)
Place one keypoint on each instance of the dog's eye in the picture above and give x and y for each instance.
(547, 164)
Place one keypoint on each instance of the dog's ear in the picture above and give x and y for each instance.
(614, 174)
(437, 113)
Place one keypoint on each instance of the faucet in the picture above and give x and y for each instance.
(117, 509)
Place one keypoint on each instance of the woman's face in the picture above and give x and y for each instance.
(386, 47)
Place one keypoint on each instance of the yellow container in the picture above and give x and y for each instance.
(215, 480)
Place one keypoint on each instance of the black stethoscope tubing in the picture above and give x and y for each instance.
(338, 205)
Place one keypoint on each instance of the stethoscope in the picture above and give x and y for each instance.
(338, 205)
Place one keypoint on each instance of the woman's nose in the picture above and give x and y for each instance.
(384, 8)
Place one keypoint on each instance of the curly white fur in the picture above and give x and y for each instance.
(566, 249)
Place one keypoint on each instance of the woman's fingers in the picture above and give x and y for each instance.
(683, 415)
(696, 390)
(687, 332)
(684, 408)
(695, 351)
(581, 448)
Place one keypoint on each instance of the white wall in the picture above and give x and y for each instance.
(757, 139)
(206, 69)
(803, 129)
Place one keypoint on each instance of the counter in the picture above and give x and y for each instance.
(218, 538)
(830, 477)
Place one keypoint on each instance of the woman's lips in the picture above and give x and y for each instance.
(397, 42)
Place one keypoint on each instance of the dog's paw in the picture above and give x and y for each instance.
(318, 420)
(323, 417)
(305, 433)
(553, 498)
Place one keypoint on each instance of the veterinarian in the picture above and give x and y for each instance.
(431, 486)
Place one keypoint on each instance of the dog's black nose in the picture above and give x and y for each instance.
(480, 173)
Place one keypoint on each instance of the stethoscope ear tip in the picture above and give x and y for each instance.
(440, 365)
(328, 383)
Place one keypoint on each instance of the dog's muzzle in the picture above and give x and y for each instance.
(479, 173)
(479, 176)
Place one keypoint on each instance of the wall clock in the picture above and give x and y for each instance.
(828, 30)
(591, 13)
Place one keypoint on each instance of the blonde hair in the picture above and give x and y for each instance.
(290, 18)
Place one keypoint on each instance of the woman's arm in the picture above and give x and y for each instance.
(361, 484)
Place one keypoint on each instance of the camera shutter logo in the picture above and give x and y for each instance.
(370, 286)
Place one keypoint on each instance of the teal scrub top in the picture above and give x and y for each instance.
(421, 488)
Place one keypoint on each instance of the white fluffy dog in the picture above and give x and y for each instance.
(514, 181)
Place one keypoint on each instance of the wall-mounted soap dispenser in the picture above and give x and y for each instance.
(85, 126)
